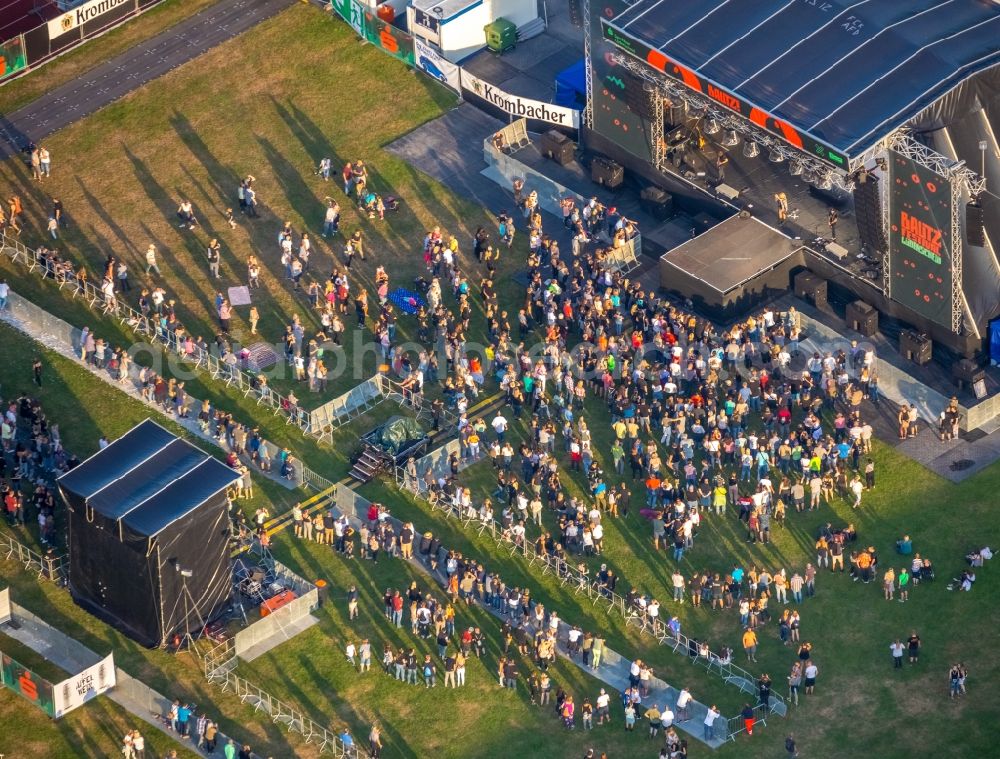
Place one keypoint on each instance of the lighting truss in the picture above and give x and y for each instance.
(728, 120)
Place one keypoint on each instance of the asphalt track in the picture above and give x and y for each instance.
(132, 69)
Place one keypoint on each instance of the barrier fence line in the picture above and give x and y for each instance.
(224, 369)
(354, 506)
(581, 584)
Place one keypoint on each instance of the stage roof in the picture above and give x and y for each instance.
(147, 478)
(732, 252)
(845, 72)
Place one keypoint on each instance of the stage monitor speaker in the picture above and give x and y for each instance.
(975, 233)
(862, 317)
(915, 347)
(657, 202)
(557, 146)
(606, 172)
(576, 13)
(811, 287)
(868, 213)
(967, 372)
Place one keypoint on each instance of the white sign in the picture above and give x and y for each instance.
(519, 106)
(5, 605)
(79, 689)
(79, 16)
(432, 62)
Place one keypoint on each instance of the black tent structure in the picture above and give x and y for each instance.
(149, 534)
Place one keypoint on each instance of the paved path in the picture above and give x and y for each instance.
(135, 67)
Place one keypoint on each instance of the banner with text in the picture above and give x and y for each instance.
(520, 107)
(77, 690)
(12, 57)
(391, 40)
(431, 62)
(85, 13)
(920, 239)
(26, 683)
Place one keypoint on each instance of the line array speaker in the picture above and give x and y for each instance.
(868, 213)
(975, 233)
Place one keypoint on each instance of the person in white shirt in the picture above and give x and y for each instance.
(710, 716)
(499, 426)
(683, 700)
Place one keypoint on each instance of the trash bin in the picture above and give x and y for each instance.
(323, 591)
(501, 35)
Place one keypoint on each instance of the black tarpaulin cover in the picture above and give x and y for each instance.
(140, 511)
(398, 433)
(847, 72)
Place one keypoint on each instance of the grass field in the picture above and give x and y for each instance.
(296, 120)
(198, 129)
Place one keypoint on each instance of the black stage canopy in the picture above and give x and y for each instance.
(140, 511)
(841, 74)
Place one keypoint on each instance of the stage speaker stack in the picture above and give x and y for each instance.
(657, 202)
(639, 96)
(967, 372)
(576, 13)
(606, 172)
(811, 287)
(862, 317)
(557, 146)
(915, 347)
(868, 212)
(675, 115)
(974, 230)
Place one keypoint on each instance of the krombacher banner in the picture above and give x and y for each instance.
(80, 15)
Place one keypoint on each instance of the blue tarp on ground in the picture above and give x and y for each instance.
(571, 86)
(406, 301)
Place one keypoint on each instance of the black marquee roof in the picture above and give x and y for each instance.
(846, 72)
(147, 479)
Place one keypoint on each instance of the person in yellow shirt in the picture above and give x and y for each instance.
(750, 644)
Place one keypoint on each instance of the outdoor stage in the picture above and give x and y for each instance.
(731, 267)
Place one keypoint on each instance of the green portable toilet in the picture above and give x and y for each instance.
(501, 35)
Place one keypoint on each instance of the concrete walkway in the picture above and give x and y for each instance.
(132, 69)
(72, 657)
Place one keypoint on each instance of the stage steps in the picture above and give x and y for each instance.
(368, 465)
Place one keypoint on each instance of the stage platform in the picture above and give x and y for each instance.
(732, 266)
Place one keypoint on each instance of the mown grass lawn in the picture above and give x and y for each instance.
(195, 132)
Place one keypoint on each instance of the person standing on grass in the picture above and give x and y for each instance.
(913, 644)
(214, 255)
(53, 227)
(230, 750)
(903, 581)
(45, 161)
(365, 655)
(225, 315)
(811, 673)
(748, 718)
(36, 371)
(790, 746)
(375, 741)
(750, 644)
(955, 679)
(151, 261)
(897, 648)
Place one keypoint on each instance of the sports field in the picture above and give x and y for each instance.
(271, 103)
